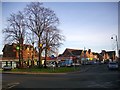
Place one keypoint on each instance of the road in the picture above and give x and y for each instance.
(90, 76)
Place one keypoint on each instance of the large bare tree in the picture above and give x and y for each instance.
(40, 18)
(15, 31)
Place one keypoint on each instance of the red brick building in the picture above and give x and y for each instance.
(28, 53)
(71, 54)
(78, 56)
(10, 51)
(108, 55)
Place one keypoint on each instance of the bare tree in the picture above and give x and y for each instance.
(39, 19)
(52, 40)
(15, 31)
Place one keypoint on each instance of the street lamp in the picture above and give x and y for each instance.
(18, 49)
(117, 54)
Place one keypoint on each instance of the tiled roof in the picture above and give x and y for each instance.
(77, 52)
(110, 52)
(71, 52)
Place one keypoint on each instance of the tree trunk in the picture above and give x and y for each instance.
(45, 57)
(46, 49)
(19, 55)
(33, 55)
(21, 51)
(40, 65)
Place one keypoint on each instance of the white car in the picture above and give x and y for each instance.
(113, 65)
(51, 64)
(7, 67)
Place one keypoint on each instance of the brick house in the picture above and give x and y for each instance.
(107, 55)
(87, 54)
(97, 56)
(79, 55)
(10, 51)
(73, 54)
(11, 54)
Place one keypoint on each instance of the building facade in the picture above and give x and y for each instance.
(28, 55)
(108, 55)
(12, 53)
(83, 56)
(78, 56)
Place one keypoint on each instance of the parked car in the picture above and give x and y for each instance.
(102, 62)
(113, 65)
(68, 63)
(51, 64)
(76, 64)
(6, 67)
(62, 64)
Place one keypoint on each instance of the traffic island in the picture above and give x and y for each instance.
(56, 70)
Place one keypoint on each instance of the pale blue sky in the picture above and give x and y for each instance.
(87, 24)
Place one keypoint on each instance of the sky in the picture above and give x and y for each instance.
(84, 24)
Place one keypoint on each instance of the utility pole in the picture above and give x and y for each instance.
(84, 56)
(117, 51)
(117, 46)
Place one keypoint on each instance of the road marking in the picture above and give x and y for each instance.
(11, 85)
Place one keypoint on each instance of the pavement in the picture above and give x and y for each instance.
(31, 73)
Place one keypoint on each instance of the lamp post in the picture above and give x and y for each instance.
(18, 49)
(117, 54)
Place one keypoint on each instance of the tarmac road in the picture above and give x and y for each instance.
(90, 76)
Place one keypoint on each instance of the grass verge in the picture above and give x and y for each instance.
(0, 70)
(47, 70)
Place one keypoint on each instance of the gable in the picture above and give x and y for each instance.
(72, 52)
(67, 53)
(111, 53)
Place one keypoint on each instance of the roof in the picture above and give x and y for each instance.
(77, 52)
(11, 46)
(71, 52)
(95, 53)
(110, 53)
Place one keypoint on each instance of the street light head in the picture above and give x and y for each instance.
(17, 47)
(111, 37)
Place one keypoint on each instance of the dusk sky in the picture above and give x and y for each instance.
(88, 24)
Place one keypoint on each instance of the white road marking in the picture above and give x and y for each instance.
(11, 85)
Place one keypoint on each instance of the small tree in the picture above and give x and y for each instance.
(53, 39)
